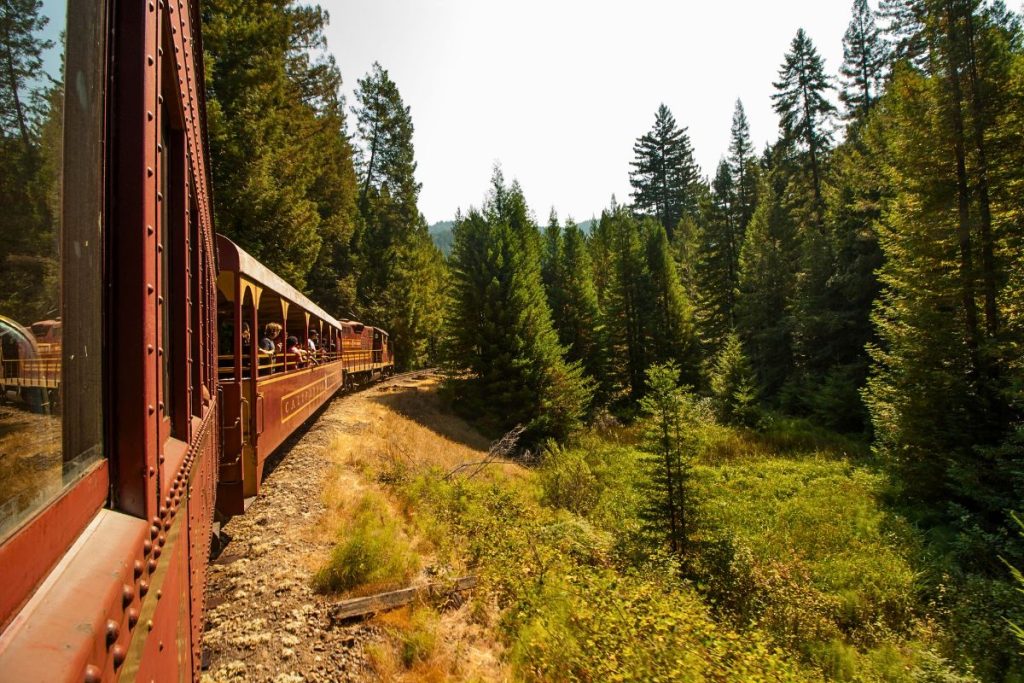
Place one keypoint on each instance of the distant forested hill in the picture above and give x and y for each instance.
(441, 233)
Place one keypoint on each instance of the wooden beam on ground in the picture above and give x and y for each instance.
(382, 602)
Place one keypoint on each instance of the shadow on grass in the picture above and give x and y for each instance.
(421, 403)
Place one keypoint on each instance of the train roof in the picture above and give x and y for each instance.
(232, 257)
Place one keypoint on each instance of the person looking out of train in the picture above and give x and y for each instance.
(314, 344)
(297, 351)
(267, 345)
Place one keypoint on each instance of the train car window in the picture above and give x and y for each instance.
(51, 252)
(172, 255)
(197, 309)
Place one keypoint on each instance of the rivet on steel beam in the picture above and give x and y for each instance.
(152, 566)
(160, 99)
(143, 588)
(161, 406)
(160, 351)
(147, 547)
(161, 459)
(167, 524)
(137, 569)
(152, 472)
(149, 348)
(149, 229)
(118, 656)
(159, 196)
(149, 116)
(160, 52)
(163, 511)
(159, 594)
(154, 531)
(149, 59)
(161, 4)
(113, 631)
(161, 539)
(92, 674)
(149, 171)
(133, 617)
(157, 551)
(151, 7)
(127, 595)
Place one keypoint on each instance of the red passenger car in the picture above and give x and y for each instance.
(107, 496)
(269, 386)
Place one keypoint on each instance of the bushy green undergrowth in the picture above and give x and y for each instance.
(372, 551)
(793, 538)
(570, 611)
(797, 568)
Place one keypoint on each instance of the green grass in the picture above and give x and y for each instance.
(373, 553)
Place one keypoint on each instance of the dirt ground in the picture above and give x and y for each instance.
(264, 620)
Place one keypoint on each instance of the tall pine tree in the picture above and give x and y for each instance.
(664, 172)
(865, 57)
(502, 332)
(399, 281)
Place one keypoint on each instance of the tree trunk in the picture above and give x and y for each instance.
(12, 82)
(988, 267)
(963, 200)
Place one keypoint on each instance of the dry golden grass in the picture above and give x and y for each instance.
(30, 462)
(389, 432)
(424, 646)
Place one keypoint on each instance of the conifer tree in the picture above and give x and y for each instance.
(502, 329)
(904, 23)
(398, 284)
(551, 271)
(865, 57)
(265, 138)
(767, 285)
(937, 386)
(664, 172)
(627, 299)
(742, 168)
(721, 239)
(582, 327)
(733, 384)
(804, 110)
(31, 143)
(669, 318)
(670, 446)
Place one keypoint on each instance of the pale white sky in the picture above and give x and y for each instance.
(558, 90)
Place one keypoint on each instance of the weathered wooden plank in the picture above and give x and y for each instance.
(381, 602)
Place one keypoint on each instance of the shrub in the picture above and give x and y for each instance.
(567, 482)
(372, 553)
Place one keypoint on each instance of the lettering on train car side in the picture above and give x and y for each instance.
(292, 404)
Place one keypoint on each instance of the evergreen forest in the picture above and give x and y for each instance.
(775, 408)
(799, 373)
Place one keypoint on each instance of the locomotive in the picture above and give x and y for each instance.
(141, 391)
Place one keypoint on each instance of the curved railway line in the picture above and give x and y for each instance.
(264, 621)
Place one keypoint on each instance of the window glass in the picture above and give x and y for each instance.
(51, 211)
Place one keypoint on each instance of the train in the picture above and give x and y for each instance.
(149, 367)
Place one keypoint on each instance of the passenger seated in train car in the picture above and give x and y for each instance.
(313, 342)
(246, 340)
(300, 354)
(268, 347)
